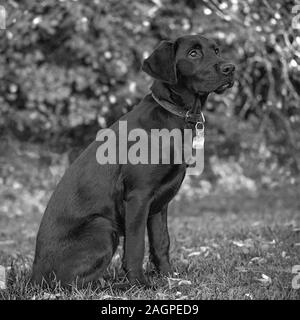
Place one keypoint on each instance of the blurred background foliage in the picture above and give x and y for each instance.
(69, 68)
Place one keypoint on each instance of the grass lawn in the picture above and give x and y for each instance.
(223, 246)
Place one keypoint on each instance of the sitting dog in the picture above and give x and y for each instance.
(93, 205)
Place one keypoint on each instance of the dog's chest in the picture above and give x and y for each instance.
(168, 188)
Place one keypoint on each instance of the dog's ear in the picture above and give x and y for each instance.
(161, 63)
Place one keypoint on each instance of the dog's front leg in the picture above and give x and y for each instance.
(136, 215)
(159, 241)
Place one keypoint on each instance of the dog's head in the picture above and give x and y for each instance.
(192, 61)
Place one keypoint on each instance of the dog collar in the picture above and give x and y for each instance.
(188, 116)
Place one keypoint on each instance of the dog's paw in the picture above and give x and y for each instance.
(139, 280)
(166, 270)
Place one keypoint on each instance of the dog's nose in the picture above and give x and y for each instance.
(227, 68)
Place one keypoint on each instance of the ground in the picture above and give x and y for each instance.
(224, 245)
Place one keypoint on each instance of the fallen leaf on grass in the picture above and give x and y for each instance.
(271, 242)
(182, 298)
(2, 278)
(266, 245)
(256, 223)
(257, 260)
(265, 280)
(195, 253)
(174, 282)
(203, 249)
(106, 297)
(248, 243)
(245, 245)
(206, 254)
(238, 243)
(241, 269)
(296, 269)
(249, 295)
(50, 296)
(184, 282)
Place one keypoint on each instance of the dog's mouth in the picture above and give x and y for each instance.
(225, 86)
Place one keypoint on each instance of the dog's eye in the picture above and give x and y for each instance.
(195, 53)
(217, 51)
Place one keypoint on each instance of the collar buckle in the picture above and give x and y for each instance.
(195, 117)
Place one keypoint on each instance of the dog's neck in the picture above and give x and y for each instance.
(179, 96)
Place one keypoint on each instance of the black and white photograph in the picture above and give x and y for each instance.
(149, 150)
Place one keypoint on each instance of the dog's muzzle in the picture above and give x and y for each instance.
(224, 86)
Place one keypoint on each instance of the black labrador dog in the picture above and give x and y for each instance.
(93, 205)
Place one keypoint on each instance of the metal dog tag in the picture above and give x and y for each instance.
(198, 140)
